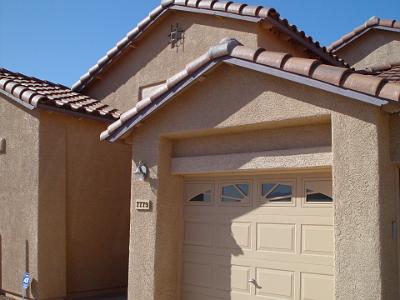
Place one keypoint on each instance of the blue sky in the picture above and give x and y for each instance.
(59, 40)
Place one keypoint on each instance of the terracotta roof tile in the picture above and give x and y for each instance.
(311, 69)
(250, 10)
(246, 53)
(392, 74)
(228, 7)
(33, 91)
(220, 5)
(389, 71)
(390, 91)
(330, 74)
(236, 8)
(364, 83)
(360, 30)
(302, 66)
(273, 59)
(206, 4)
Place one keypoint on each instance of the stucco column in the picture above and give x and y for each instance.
(143, 223)
(155, 235)
(361, 172)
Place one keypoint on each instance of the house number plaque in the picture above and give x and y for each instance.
(142, 205)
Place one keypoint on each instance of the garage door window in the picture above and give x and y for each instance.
(198, 193)
(319, 191)
(276, 193)
(235, 193)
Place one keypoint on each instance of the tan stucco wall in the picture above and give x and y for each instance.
(244, 100)
(364, 180)
(19, 194)
(395, 137)
(91, 181)
(266, 140)
(64, 199)
(153, 60)
(375, 47)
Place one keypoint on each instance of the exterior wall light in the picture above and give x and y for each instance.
(2, 146)
(141, 171)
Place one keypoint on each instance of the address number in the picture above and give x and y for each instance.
(142, 205)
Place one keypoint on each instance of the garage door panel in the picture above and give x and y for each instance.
(317, 286)
(198, 274)
(317, 240)
(275, 284)
(198, 233)
(233, 278)
(275, 237)
(234, 236)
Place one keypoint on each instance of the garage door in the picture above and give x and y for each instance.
(258, 237)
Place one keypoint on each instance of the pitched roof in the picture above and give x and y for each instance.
(223, 8)
(311, 72)
(391, 72)
(32, 92)
(372, 23)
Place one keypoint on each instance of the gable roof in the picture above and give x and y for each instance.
(372, 23)
(311, 72)
(31, 93)
(227, 9)
(391, 72)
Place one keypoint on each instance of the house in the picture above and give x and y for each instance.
(64, 218)
(272, 164)
(263, 165)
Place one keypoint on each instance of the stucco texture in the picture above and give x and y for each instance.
(94, 212)
(152, 60)
(232, 100)
(376, 47)
(19, 195)
(64, 200)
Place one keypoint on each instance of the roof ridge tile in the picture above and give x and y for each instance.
(229, 7)
(370, 23)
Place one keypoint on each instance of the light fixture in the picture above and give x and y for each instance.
(141, 171)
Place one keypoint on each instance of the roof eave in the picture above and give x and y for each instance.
(163, 99)
(76, 114)
(344, 44)
(12, 98)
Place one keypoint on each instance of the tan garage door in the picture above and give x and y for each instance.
(259, 237)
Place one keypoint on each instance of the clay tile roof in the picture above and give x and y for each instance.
(228, 9)
(389, 71)
(373, 22)
(392, 74)
(32, 92)
(340, 80)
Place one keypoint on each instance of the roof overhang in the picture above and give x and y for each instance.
(186, 83)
